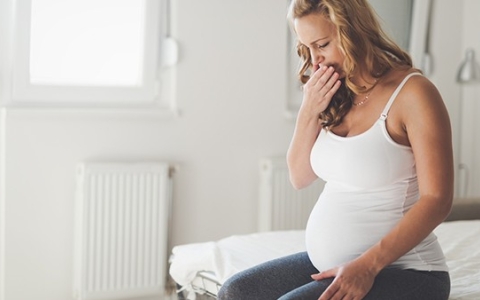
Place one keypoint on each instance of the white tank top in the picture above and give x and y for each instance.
(371, 182)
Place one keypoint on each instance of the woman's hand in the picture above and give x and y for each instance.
(319, 90)
(352, 281)
(317, 94)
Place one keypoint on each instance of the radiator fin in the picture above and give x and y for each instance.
(281, 206)
(122, 228)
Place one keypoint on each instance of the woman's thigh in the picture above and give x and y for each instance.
(391, 284)
(410, 284)
(269, 280)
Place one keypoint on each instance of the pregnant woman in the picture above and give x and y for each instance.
(378, 133)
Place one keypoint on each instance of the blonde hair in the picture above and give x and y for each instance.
(363, 42)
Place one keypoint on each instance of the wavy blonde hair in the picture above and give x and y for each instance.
(363, 42)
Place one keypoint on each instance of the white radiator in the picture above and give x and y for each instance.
(281, 206)
(122, 215)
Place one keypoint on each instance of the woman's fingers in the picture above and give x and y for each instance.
(320, 88)
(322, 76)
(324, 80)
(325, 274)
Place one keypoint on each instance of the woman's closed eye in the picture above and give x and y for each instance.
(323, 45)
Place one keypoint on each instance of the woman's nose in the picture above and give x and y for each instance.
(316, 58)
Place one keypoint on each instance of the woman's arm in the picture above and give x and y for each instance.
(427, 125)
(317, 93)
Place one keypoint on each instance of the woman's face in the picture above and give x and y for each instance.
(318, 34)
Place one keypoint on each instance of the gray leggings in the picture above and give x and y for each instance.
(288, 278)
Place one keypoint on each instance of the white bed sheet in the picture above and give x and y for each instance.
(232, 254)
(460, 241)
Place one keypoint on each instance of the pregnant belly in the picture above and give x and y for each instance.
(338, 232)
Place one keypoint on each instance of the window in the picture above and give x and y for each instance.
(93, 53)
(396, 19)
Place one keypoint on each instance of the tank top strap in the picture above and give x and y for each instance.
(384, 114)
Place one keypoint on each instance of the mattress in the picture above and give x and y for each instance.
(204, 267)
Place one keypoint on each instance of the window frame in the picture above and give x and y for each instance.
(154, 92)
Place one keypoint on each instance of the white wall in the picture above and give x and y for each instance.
(449, 41)
(470, 97)
(446, 51)
(231, 94)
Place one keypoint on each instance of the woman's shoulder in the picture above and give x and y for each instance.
(395, 77)
(417, 107)
(418, 99)
(417, 88)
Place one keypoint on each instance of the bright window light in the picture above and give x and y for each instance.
(87, 42)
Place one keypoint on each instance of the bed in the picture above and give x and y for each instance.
(200, 269)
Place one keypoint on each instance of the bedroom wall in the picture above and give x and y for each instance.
(470, 97)
(446, 51)
(447, 47)
(449, 43)
(231, 97)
